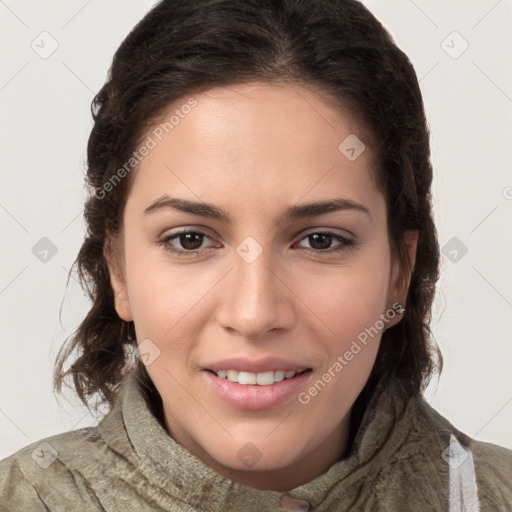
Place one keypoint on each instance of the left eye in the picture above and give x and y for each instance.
(191, 242)
(325, 239)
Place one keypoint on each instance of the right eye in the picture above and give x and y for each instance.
(189, 240)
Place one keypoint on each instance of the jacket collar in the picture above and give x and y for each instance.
(176, 472)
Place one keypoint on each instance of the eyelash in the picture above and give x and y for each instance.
(165, 242)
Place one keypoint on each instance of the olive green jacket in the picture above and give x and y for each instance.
(405, 457)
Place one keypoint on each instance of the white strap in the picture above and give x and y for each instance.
(463, 488)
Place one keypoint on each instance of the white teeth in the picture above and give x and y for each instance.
(246, 378)
(262, 379)
(232, 375)
(279, 375)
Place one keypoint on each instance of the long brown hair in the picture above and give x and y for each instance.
(182, 47)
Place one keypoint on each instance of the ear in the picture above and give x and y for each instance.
(112, 254)
(411, 241)
(401, 277)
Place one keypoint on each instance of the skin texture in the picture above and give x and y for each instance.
(253, 150)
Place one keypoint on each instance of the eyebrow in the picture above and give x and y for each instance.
(294, 212)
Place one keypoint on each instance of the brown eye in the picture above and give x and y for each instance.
(185, 243)
(321, 242)
(190, 241)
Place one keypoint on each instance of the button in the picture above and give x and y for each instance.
(293, 505)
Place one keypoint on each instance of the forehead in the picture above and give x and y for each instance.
(273, 113)
(281, 140)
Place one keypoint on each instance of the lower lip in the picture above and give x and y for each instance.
(254, 397)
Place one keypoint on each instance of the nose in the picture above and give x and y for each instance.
(255, 298)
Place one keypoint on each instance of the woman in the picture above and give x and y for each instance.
(262, 260)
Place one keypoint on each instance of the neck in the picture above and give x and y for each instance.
(283, 479)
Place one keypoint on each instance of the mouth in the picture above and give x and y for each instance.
(256, 391)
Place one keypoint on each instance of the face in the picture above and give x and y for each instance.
(262, 285)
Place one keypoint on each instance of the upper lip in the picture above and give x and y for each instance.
(264, 364)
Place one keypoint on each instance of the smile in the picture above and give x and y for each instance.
(260, 379)
(272, 390)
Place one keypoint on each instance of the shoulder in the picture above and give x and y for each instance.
(493, 458)
(39, 474)
(493, 468)
(485, 466)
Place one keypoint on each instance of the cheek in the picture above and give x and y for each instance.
(163, 306)
(351, 306)
(162, 296)
(350, 297)
(350, 303)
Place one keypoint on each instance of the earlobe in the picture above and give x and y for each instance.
(118, 283)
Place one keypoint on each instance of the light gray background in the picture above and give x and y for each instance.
(44, 127)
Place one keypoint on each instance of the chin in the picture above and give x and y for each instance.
(256, 456)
